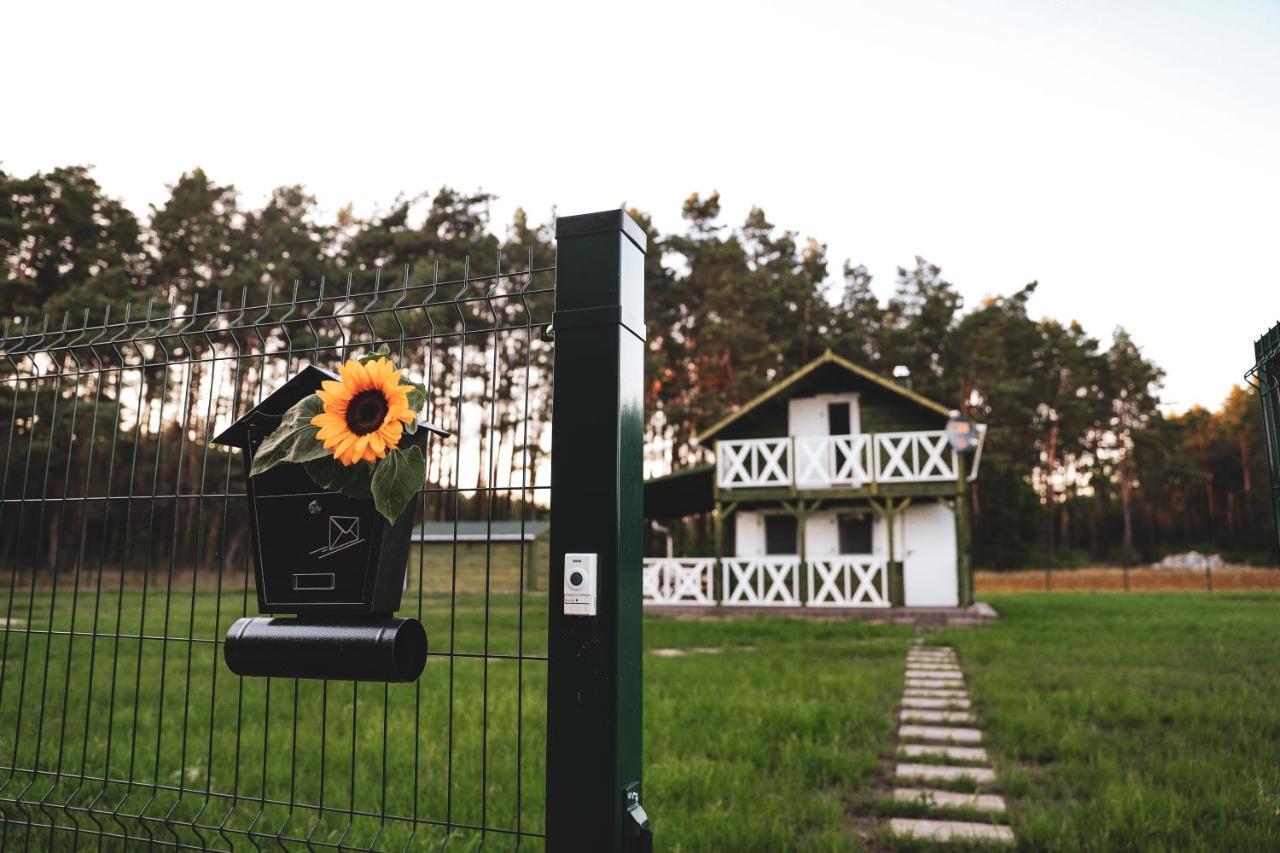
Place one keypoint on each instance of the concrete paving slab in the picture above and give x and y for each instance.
(940, 734)
(950, 830)
(939, 674)
(934, 702)
(943, 693)
(933, 683)
(951, 753)
(945, 773)
(919, 715)
(950, 799)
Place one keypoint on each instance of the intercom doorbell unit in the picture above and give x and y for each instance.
(579, 584)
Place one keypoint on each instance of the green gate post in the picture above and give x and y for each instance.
(1266, 352)
(593, 671)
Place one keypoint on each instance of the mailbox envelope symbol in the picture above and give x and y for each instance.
(344, 532)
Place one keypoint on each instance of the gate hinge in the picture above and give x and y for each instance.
(637, 835)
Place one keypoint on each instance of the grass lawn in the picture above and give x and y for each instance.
(756, 746)
(1144, 721)
(1133, 722)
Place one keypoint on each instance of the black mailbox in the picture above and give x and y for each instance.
(330, 560)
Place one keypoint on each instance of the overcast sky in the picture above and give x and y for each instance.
(1123, 154)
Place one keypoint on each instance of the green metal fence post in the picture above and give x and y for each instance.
(594, 666)
(1266, 370)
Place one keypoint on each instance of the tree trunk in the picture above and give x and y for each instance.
(1126, 510)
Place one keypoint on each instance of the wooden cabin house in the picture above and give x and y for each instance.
(836, 487)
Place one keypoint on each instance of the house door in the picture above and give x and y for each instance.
(929, 556)
(807, 416)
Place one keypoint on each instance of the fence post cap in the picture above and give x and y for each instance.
(601, 222)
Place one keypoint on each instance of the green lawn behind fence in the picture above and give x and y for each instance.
(1148, 721)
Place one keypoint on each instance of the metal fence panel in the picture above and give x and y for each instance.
(124, 558)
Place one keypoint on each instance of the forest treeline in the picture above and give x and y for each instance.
(1081, 466)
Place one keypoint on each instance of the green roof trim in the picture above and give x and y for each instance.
(827, 357)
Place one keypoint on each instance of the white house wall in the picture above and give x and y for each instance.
(821, 537)
(808, 415)
(748, 534)
(925, 541)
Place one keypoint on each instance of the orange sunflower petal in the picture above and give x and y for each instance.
(391, 432)
(336, 389)
(343, 444)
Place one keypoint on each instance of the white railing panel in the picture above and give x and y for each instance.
(753, 462)
(760, 582)
(679, 581)
(825, 461)
(835, 461)
(851, 581)
(913, 457)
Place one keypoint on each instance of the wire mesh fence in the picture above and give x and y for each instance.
(125, 556)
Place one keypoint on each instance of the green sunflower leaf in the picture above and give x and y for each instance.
(383, 351)
(396, 480)
(354, 481)
(294, 440)
(417, 396)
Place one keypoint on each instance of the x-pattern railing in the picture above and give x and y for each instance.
(913, 457)
(844, 581)
(754, 462)
(677, 581)
(832, 461)
(848, 582)
(761, 582)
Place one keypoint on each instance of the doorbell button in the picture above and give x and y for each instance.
(580, 584)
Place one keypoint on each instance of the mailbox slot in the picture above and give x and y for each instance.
(313, 581)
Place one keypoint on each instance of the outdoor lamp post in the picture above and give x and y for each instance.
(330, 570)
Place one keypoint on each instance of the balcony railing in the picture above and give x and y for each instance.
(835, 461)
(846, 581)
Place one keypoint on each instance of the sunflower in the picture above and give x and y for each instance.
(365, 413)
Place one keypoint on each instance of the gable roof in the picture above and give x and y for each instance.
(827, 357)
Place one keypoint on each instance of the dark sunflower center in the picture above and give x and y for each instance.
(366, 411)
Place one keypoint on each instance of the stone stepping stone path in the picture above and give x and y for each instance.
(941, 762)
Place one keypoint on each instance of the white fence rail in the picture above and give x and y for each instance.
(849, 581)
(761, 582)
(832, 461)
(823, 461)
(754, 462)
(674, 581)
(914, 457)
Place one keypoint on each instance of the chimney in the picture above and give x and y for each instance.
(902, 375)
